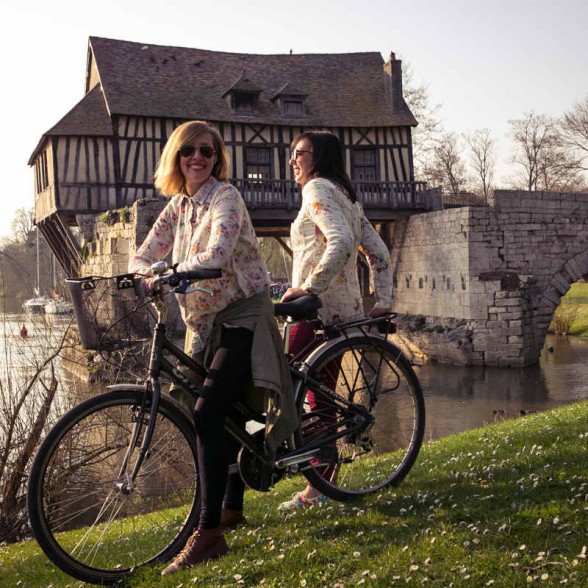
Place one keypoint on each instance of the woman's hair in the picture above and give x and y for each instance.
(169, 179)
(327, 157)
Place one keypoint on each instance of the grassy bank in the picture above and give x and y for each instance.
(506, 505)
(577, 296)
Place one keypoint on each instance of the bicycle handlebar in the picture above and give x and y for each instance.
(180, 281)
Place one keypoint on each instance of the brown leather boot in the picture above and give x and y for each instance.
(231, 519)
(203, 545)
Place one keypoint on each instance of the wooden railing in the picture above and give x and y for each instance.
(284, 194)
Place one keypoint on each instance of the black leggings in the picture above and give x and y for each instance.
(228, 375)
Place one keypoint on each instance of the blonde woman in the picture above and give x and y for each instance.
(206, 225)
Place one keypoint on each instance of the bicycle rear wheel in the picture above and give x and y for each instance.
(373, 373)
(84, 519)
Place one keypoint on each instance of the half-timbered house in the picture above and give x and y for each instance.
(102, 154)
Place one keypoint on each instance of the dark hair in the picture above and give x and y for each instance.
(327, 157)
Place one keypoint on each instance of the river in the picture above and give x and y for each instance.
(457, 398)
(460, 398)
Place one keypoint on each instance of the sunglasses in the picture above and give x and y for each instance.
(296, 153)
(189, 150)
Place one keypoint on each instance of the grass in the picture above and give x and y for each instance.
(577, 296)
(505, 505)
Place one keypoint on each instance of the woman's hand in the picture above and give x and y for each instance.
(378, 312)
(292, 294)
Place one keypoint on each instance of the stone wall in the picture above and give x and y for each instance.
(110, 239)
(479, 285)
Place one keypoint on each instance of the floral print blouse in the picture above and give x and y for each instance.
(212, 229)
(326, 236)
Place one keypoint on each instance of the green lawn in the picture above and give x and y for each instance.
(505, 506)
(577, 296)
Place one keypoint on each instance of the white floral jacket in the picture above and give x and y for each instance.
(210, 230)
(326, 237)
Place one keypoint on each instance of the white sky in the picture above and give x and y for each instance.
(484, 61)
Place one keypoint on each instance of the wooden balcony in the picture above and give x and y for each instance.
(273, 204)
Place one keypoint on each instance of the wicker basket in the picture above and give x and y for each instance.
(111, 312)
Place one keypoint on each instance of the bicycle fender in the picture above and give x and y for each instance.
(125, 387)
(350, 338)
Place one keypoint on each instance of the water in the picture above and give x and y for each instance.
(457, 398)
(23, 357)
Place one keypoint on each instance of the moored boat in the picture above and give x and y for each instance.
(58, 307)
(36, 305)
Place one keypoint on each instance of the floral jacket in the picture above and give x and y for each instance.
(326, 237)
(212, 229)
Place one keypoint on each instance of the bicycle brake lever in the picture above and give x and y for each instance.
(203, 290)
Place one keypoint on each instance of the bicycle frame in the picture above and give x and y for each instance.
(359, 418)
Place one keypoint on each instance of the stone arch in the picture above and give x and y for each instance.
(571, 271)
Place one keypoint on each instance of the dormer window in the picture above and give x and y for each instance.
(293, 106)
(243, 96)
(245, 103)
(290, 101)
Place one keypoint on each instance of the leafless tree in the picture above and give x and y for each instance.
(23, 225)
(574, 129)
(429, 129)
(545, 160)
(483, 159)
(448, 168)
(28, 394)
(277, 255)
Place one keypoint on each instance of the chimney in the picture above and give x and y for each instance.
(393, 69)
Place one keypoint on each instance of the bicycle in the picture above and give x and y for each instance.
(114, 485)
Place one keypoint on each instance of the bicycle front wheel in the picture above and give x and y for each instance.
(371, 451)
(87, 515)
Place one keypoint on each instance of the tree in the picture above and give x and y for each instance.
(277, 258)
(574, 131)
(546, 161)
(23, 225)
(448, 168)
(427, 133)
(483, 159)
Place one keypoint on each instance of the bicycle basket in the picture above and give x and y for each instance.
(110, 312)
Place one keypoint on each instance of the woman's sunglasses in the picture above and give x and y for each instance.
(189, 150)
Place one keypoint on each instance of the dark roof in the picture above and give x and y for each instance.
(244, 84)
(343, 90)
(88, 117)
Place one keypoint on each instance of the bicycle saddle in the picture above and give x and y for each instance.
(302, 308)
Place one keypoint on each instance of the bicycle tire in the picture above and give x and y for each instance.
(370, 371)
(87, 527)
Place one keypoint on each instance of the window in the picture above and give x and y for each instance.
(293, 107)
(42, 175)
(257, 163)
(245, 102)
(363, 165)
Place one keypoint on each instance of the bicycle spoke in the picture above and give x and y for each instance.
(374, 446)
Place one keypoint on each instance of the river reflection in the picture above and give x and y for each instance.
(460, 398)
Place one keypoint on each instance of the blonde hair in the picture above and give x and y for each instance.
(169, 179)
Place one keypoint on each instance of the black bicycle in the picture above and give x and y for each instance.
(114, 485)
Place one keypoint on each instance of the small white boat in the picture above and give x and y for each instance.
(58, 307)
(36, 305)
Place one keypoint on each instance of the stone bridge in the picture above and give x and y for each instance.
(479, 286)
(473, 285)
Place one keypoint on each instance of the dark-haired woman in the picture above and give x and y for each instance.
(329, 231)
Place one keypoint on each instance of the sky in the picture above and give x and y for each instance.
(485, 62)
